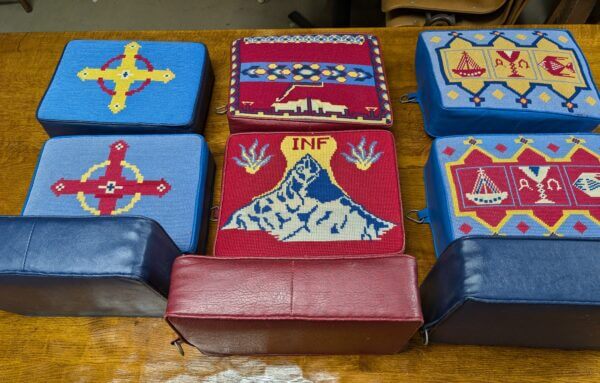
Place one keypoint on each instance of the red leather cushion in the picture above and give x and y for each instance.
(295, 306)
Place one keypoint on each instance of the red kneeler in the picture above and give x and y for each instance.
(308, 254)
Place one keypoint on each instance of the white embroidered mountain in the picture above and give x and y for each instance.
(307, 206)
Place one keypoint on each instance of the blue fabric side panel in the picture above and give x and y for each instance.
(206, 206)
(204, 96)
(510, 270)
(465, 121)
(200, 197)
(437, 201)
(426, 87)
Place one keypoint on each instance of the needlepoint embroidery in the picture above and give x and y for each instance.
(548, 186)
(125, 76)
(112, 186)
(308, 204)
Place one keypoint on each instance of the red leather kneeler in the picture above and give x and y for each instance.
(295, 306)
(308, 253)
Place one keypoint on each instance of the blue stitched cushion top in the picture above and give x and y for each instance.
(127, 86)
(504, 81)
(164, 177)
(513, 186)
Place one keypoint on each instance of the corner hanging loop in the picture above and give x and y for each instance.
(221, 109)
(214, 213)
(425, 336)
(414, 216)
(177, 343)
(409, 98)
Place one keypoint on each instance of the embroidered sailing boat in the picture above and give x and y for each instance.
(485, 191)
(467, 67)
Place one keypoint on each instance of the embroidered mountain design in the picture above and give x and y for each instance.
(308, 206)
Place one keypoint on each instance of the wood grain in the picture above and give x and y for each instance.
(125, 349)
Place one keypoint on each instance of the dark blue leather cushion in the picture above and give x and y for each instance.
(84, 266)
(524, 292)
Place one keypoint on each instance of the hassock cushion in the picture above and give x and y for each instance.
(516, 225)
(308, 254)
(164, 177)
(307, 82)
(66, 266)
(132, 87)
(504, 81)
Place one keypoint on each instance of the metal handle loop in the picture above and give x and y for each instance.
(408, 98)
(177, 343)
(409, 216)
(214, 213)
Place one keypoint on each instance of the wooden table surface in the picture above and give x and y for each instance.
(124, 349)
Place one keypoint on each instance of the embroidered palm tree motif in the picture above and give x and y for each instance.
(251, 161)
(363, 159)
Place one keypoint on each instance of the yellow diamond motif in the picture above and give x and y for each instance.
(545, 97)
(521, 37)
(435, 39)
(498, 94)
(590, 100)
(452, 94)
(563, 39)
(479, 36)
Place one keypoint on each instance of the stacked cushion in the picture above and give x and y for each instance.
(516, 225)
(308, 253)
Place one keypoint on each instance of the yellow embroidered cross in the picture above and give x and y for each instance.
(125, 75)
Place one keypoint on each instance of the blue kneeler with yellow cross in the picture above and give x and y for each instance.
(128, 87)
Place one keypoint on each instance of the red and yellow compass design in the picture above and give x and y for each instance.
(112, 186)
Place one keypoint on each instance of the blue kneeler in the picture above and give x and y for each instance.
(128, 87)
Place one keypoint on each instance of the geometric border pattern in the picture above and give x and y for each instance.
(376, 61)
(474, 145)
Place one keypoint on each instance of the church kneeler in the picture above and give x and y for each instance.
(308, 253)
(516, 225)
(128, 87)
